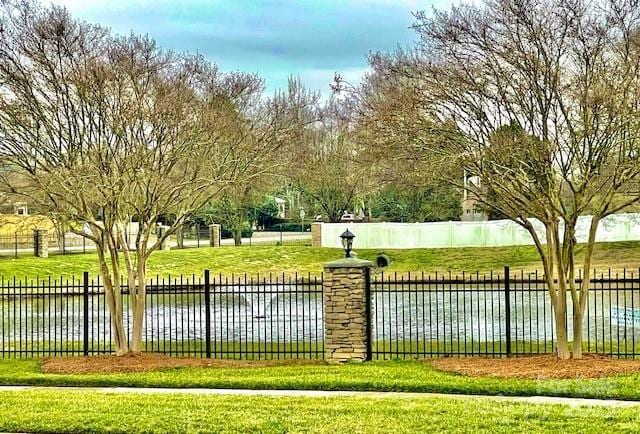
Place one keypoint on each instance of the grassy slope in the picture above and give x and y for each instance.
(78, 411)
(302, 259)
(406, 376)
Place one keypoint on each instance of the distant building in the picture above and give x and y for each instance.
(471, 210)
(17, 208)
(20, 208)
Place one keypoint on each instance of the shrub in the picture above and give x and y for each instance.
(289, 227)
(247, 232)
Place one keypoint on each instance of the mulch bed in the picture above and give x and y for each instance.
(149, 362)
(538, 367)
(532, 367)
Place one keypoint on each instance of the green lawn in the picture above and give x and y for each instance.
(404, 376)
(305, 259)
(83, 411)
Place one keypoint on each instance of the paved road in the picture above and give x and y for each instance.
(572, 402)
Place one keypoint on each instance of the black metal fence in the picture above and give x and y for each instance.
(200, 237)
(497, 315)
(226, 317)
(415, 315)
(193, 236)
(21, 244)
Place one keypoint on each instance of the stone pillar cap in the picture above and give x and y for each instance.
(349, 263)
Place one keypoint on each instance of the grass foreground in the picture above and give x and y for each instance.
(305, 259)
(85, 411)
(398, 376)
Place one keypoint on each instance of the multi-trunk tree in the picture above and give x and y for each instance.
(98, 130)
(538, 99)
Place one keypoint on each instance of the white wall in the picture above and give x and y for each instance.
(493, 233)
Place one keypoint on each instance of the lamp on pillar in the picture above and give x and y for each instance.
(347, 242)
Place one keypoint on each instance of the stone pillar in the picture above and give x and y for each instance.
(347, 310)
(41, 243)
(214, 235)
(166, 244)
(316, 234)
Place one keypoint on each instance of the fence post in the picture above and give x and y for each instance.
(215, 234)
(207, 313)
(85, 311)
(316, 234)
(507, 308)
(345, 317)
(16, 245)
(40, 243)
(367, 311)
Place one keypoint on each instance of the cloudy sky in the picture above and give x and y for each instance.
(312, 39)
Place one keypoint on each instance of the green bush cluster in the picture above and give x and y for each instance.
(289, 227)
(247, 232)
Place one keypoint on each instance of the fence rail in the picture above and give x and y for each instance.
(274, 316)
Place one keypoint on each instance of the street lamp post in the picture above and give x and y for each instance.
(302, 214)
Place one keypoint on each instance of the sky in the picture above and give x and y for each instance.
(310, 39)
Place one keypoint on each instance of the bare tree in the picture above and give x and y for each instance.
(263, 123)
(326, 165)
(100, 130)
(539, 100)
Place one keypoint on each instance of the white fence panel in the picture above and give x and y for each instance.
(494, 233)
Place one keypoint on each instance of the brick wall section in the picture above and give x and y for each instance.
(346, 332)
(214, 235)
(41, 243)
(316, 234)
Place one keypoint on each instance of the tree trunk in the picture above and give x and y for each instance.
(180, 237)
(114, 302)
(237, 236)
(137, 295)
(578, 318)
(562, 341)
(138, 307)
(113, 298)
